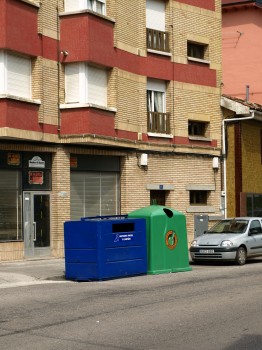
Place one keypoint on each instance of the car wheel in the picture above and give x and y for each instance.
(241, 256)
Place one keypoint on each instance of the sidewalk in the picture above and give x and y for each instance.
(31, 271)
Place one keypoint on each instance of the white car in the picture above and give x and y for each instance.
(235, 239)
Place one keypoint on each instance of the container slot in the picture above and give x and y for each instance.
(125, 227)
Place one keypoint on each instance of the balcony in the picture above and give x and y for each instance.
(158, 122)
(157, 40)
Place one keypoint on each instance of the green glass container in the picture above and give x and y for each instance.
(167, 247)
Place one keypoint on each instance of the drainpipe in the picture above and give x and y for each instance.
(224, 154)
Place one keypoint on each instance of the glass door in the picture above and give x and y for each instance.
(36, 210)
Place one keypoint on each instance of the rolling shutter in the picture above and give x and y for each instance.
(72, 82)
(97, 86)
(94, 193)
(77, 194)
(18, 76)
(155, 14)
(156, 85)
(75, 5)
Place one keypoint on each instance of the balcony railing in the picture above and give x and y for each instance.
(157, 40)
(158, 122)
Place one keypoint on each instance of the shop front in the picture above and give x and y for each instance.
(25, 190)
(94, 186)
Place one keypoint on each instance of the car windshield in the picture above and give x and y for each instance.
(229, 226)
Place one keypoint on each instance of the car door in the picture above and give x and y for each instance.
(255, 237)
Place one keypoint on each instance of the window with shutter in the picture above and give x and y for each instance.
(15, 75)
(97, 86)
(156, 90)
(75, 5)
(85, 84)
(72, 80)
(155, 14)
(158, 121)
(78, 5)
(156, 35)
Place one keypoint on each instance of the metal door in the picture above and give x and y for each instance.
(36, 214)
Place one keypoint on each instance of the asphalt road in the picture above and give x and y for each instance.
(212, 307)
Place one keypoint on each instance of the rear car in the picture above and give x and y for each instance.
(234, 239)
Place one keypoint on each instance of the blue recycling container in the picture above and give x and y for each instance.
(104, 247)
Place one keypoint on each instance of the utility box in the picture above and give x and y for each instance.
(201, 224)
(98, 248)
(167, 248)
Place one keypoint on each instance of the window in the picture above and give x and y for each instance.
(155, 101)
(158, 119)
(197, 129)
(15, 75)
(254, 204)
(157, 37)
(198, 197)
(195, 50)
(97, 6)
(85, 84)
(255, 227)
(10, 205)
(78, 5)
(158, 197)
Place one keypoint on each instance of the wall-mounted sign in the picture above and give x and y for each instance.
(13, 159)
(73, 162)
(35, 177)
(36, 162)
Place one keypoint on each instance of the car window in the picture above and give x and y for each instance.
(229, 226)
(255, 226)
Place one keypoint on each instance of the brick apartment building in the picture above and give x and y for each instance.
(106, 106)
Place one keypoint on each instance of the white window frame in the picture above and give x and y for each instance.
(83, 84)
(6, 76)
(79, 5)
(94, 4)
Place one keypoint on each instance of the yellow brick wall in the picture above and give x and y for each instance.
(251, 157)
(251, 162)
(231, 171)
(45, 87)
(112, 91)
(11, 251)
(176, 170)
(196, 24)
(197, 103)
(50, 92)
(131, 102)
(60, 199)
(48, 18)
(130, 28)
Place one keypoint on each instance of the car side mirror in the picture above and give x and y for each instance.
(253, 231)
